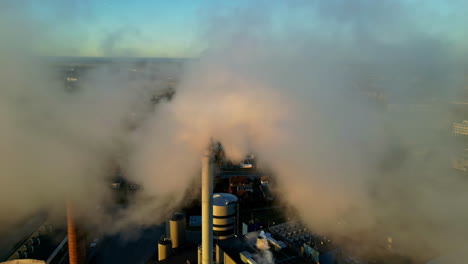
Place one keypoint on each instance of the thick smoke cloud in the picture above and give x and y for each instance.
(298, 92)
(355, 168)
(59, 145)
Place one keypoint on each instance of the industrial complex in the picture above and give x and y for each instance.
(225, 238)
(236, 219)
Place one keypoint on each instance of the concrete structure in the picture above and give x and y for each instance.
(275, 244)
(207, 209)
(224, 215)
(58, 250)
(460, 128)
(460, 155)
(31, 243)
(233, 246)
(246, 257)
(298, 237)
(243, 249)
(199, 255)
(164, 247)
(219, 255)
(177, 229)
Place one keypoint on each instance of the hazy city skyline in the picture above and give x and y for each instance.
(183, 28)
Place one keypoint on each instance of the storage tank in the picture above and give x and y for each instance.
(164, 247)
(24, 261)
(177, 229)
(224, 215)
(199, 254)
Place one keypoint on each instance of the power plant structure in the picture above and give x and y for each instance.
(225, 208)
(175, 225)
(164, 248)
(219, 213)
(219, 223)
(176, 232)
(76, 246)
(207, 209)
(175, 236)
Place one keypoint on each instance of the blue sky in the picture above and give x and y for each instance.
(178, 28)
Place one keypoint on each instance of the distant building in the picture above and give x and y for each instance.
(460, 128)
(460, 159)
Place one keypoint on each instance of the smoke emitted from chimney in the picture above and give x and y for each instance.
(264, 256)
(295, 91)
(353, 166)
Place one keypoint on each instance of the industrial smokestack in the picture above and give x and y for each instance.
(207, 209)
(76, 249)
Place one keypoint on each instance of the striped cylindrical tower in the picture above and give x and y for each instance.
(224, 215)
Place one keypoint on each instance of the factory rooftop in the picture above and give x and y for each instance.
(182, 255)
(222, 199)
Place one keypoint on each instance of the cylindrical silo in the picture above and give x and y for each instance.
(164, 247)
(199, 254)
(224, 215)
(177, 229)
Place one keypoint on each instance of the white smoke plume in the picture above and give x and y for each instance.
(353, 166)
(265, 256)
(257, 241)
(58, 145)
(298, 94)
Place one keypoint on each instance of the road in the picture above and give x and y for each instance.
(119, 249)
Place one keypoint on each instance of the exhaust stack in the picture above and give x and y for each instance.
(76, 247)
(207, 209)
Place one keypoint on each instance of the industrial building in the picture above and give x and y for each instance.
(175, 228)
(247, 249)
(460, 156)
(222, 241)
(251, 190)
(294, 235)
(176, 247)
(460, 129)
(38, 242)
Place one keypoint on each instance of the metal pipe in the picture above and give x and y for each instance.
(207, 209)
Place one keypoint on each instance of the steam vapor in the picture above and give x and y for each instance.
(265, 256)
(295, 93)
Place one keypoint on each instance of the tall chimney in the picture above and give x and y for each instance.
(76, 249)
(207, 209)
